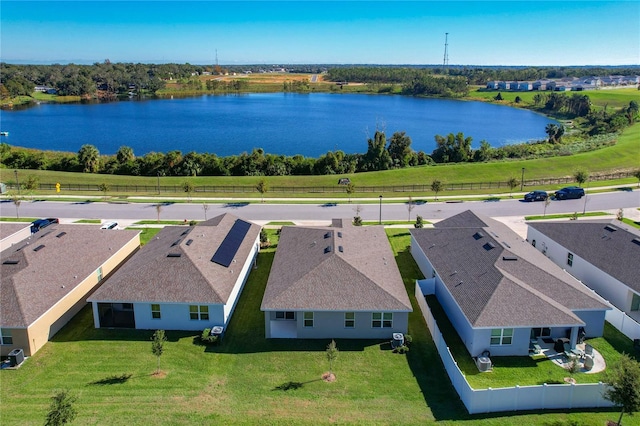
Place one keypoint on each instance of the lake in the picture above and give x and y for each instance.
(280, 123)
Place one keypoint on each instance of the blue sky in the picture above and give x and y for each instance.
(303, 32)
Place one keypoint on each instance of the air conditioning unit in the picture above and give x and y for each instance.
(483, 363)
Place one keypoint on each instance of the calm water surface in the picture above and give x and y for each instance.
(279, 123)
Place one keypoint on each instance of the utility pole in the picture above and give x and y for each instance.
(445, 62)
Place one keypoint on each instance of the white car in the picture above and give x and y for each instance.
(109, 225)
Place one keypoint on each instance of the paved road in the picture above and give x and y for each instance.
(319, 212)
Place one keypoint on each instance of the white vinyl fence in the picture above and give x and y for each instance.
(514, 398)
(623, 322)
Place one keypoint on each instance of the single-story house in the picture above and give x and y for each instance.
(186, 278)
(498, 292)
(604, 255)
(335, 282)
(47, 277)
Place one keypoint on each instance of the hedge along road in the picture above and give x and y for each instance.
(322, 211)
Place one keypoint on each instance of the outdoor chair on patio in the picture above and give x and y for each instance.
(588, 349)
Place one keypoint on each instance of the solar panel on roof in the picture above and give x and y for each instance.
(231, 243)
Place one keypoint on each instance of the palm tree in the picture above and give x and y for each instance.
(89, 158)
(125, 154)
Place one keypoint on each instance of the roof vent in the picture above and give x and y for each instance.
(489, 246)
(174, 255)
(509, 258)
(478, 235)
(327, 235)
(327, 249)
(189, 241)
(45, 234)
(340, 249)
(339, 234)
(11, 262)
(504, 243)
(186, 232)
(40, 247)
(61, 234)
(611, 228)
(175, 243)
(636, 241)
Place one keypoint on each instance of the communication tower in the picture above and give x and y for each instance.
(445, 62)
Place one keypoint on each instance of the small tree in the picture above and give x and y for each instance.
(104, 188)
(547, 201)
(620, 214)
(410, 206)
(262, 187)
(419, 222)
(16, 200)
(158, 210)
(157, 346)
(436, 186)
(498, 97)
(350, 189)
(61, 411)
(32, 183)
(205, 207)
(188, 188)
(581, 176)
(623, 378)
(357, 221)
(512, 182)
(332, 354)
(636, 175)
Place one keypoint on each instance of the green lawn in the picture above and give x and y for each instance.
(249, 379)
(566, 216)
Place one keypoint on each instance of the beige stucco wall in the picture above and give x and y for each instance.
(45, 327)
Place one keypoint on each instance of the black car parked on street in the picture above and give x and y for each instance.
(535, 196)
(569, 192)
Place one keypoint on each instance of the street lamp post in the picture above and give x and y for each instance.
(522, 180)
(380, 217)
(17, 183)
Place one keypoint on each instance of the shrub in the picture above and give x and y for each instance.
(207, 338)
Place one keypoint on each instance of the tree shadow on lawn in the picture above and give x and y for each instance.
(113, 380)
(293, 385)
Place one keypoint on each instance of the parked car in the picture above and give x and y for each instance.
(536, 196)
(37, 225)
(109, 225)
(569, 192)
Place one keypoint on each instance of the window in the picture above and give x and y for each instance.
(200, 312)
(155, 311)
(570, 259)
(308, 319)
(501, 336)
(288, 315)
(5, 337)
(540, 332)
(382, 320)
(349, 319)
(100, 274)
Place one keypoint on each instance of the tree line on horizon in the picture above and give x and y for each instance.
(112, 79)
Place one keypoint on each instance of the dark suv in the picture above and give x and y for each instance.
(37, 225)
(569, 192)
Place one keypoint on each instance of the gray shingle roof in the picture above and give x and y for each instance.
(7, 229)
(335, 269)
(171, 268)
(41, 278)
(497, 278)
(608, 245)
